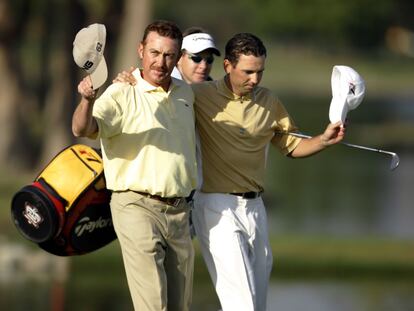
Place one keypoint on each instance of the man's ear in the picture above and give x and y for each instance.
(227, 66)
(141, 50)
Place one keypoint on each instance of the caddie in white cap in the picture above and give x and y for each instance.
(88, 49)
(348, 90)
(197, 56)
(194, 66)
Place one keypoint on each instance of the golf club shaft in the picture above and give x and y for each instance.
(346, 144)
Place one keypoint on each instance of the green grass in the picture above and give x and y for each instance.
(297, 257)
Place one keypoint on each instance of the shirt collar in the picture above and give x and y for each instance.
(224, 90)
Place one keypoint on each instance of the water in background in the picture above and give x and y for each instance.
(343, 190)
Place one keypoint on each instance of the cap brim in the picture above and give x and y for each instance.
(215, 51)
(99, 75)
(338, 109)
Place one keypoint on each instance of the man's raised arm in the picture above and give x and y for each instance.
(83, 123)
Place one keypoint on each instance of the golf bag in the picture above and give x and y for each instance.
(66, 209)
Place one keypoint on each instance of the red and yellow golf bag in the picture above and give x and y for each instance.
(66, 209)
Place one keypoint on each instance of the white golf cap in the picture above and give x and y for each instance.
(88, 49)
(198, 42)
(348, 90)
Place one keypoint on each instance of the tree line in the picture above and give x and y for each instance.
(39, 78)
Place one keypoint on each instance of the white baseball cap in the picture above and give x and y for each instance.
(88, 49)
(198, 42)
(348, 90)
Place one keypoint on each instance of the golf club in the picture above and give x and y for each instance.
(395, 159)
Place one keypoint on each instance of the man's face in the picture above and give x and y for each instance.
(196, 67)
(159, 55)
(246, 75)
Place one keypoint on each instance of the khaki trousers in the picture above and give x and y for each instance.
(157, 251)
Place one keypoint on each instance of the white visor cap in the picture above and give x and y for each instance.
(198, 42)
(348, 90)
(88, 49)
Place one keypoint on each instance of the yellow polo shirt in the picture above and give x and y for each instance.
(148, 137)
(235, 133)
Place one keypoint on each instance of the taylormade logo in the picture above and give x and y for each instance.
(88, 225)
(202, 38)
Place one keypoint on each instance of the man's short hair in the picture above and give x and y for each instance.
(246, 44)
(164, 28)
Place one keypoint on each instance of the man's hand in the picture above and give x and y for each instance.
(86, 90)
(126, 77)
(334, 133)
(83, 124)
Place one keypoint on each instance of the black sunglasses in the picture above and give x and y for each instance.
(197, 58)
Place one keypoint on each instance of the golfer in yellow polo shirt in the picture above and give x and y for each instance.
(147, 135)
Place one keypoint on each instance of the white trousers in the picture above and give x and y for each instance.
(233, 236)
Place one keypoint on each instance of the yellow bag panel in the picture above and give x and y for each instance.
(72, 171)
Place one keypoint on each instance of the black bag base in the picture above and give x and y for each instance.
(66, 209)
(41, 218)
(35, 215)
